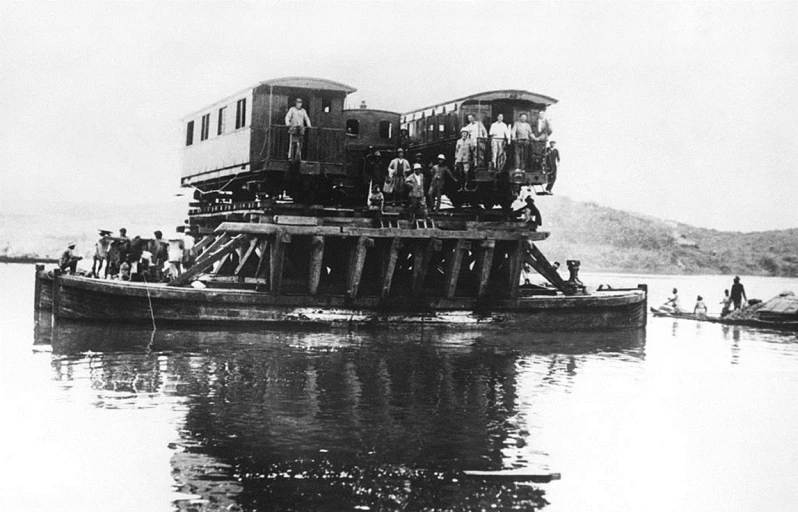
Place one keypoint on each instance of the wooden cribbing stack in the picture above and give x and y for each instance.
(351, 257)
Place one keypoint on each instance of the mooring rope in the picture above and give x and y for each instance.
(152, 314)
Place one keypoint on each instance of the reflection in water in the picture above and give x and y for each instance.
(332, 420)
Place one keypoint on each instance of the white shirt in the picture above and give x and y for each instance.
(500, 130)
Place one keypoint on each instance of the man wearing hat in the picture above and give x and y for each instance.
(398, 170)
(531, 214)
(68, 259)
(101, 253)
(416, 184)
(462, 155)
(296, 120)
(439, 173)
(552, 160)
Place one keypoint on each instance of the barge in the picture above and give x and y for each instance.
(287, 235)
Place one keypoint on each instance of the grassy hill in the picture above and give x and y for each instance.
(604, 239)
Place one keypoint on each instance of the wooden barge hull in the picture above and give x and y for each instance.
(86, 299)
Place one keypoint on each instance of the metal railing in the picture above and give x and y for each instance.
(324, 145)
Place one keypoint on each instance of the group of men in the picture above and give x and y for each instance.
(520, 135)
(136, 259)
(424, 187)
(403, 178)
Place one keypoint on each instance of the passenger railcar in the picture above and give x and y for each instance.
(236, 152)
(238, 147)
(434, 130)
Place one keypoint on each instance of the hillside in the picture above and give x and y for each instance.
(604, 239)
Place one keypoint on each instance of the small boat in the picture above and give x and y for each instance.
(780, 312)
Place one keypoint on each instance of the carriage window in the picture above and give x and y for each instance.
(220, 128)
(352, 127)
(386, 129)
(190, 133)
(326, 105)
(206, 121)
(241, 113)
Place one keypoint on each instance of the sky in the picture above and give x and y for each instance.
(683, 111)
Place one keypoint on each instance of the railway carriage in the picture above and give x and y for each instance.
(434, 130)
(236, 152)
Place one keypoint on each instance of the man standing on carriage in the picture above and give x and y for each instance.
(521, 134)
(398, 169)
(463, 152)
(552, 161)
(297, 120)
(499, 137)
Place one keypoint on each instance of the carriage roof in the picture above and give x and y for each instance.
(292, 82)
(488, 96)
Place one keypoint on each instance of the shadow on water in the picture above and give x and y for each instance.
(331, 420)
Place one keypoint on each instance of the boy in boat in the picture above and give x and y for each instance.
(101, 253)
(738, 293)
(439, 173)
(700, 309)
(68, 259)
(672, 304)
(726, 302)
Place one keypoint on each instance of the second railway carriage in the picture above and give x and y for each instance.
(236, 152)
(434, 130)
(237, 149)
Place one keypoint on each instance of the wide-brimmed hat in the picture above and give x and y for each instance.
(416, 166)
(441, 157)
(71, 244)
(400, 150)
(104, 232)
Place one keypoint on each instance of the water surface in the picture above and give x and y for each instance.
(680, 416)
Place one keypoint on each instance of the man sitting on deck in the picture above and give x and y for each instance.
(68, 259)
(530, 214)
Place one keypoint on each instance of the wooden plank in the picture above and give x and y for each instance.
(205, 242)
(453, 264)
(271, 229)
(516, 257)
(219, 242)
(486, 261)
(252, 244)
(496, 234)
(277, 260)
(538, 261)
(262, 265)
(295, 220)
(389, 266)
(57, 293)
(208, 262)
(316, 258)
(356, 261)
(37, 291)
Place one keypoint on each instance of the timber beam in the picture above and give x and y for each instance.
(389, 266)
(485, 259)
(453, 264)
(421, 258)
(208, 262)
(357, 259)
(277, 259)
(316, 258)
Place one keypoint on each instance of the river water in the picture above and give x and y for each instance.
(679, 416)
